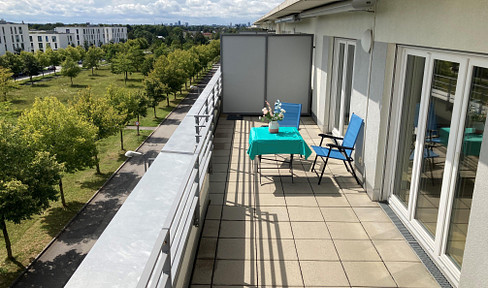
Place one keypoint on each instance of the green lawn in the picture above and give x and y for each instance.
(31, 236)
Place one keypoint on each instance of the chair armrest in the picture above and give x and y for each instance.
(340, 147)
(330, 136)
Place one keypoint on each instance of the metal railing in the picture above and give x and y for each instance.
(164, 263)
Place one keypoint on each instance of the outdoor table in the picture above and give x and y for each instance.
(287, 141)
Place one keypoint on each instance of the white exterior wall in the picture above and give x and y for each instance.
(14, 36)
(54, 40)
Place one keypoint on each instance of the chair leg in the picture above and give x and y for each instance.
(316, 156)
(323, 170)
(354, 173)
(347, 168)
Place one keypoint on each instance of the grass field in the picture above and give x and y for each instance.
(31, 236)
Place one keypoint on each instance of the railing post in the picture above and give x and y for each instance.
(196, 213)
(166, 249)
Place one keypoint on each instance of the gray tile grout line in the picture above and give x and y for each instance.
(428, 263)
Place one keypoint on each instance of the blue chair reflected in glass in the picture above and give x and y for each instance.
(341, 151)
(292, 115)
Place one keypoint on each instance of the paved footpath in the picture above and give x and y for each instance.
(59, 261)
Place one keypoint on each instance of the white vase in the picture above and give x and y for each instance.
(274, 127)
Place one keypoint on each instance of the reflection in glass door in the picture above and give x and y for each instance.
(433, 156)
(412, 93)
(475, 119)
(343, 74)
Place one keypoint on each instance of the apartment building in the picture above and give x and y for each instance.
(14, 37)
(417, 72)
(94, 35)
(41, 40)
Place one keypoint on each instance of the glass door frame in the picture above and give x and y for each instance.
(337, 131)
(436, 247)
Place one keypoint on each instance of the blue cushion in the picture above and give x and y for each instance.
(322, 151)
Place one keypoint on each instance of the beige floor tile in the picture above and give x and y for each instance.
(322, 250)
(235, 272)
(236, 249)
(370, 274)
(310, 230)
(311, 214)
(299, 188)
(395, 251)
(237, 213)
(323, 274)
(356, 250)
(279, 273)
(360, 200)
(207, 247)
(347, 231)
(301, 201)
(202, 272)
(217, 188)
(270, 187)
(332, 200)
(239, 229)
(244, 187)
(211, 228)
(411, 274)
(339, 214)
(269, 199)
(371, 214)
(214, 212)
(277, 249)
(273, 230)
(382, 230)
(216, 199)
(272, 214)
(245, 199)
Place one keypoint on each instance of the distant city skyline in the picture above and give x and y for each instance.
(195, 12)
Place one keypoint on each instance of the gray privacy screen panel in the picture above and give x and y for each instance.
(289, 69)
(243, 73)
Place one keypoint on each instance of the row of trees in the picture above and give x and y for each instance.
(52, 139)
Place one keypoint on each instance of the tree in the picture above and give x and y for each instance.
(72, 53)
(63, 133)
(98, 112)
(27, 179)
(11, 61)
(30, 65)
(93, 57)
(122, 64)
(128, 104)
(147, 65)
(154, 90)
(136, 56)
(161, 73)
(7, 83)
(42, 59)
(54, 58)
(70, 69)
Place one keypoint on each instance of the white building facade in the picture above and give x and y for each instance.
(417, 73)
(14, 37)
(94, 35)
(41, 40)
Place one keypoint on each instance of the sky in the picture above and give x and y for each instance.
(222, 12)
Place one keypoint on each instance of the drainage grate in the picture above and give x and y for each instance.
(429, 264)
(234, 117)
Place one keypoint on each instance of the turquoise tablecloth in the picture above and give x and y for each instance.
(287, 141)
(471, 141)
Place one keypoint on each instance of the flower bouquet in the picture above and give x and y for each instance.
(273, 116)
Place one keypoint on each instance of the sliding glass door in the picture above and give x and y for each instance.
(442, 112)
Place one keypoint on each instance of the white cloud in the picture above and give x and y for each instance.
(134, 12)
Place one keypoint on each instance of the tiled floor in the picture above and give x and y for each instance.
(283, 234)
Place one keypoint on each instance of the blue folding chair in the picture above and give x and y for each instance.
(292, 115)
(340, 152)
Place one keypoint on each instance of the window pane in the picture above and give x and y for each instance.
(411, 101)
(347, 95)
(439, 116)
(340, 69)
(468, 164)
